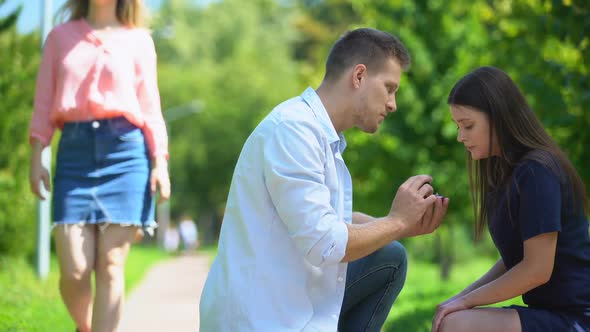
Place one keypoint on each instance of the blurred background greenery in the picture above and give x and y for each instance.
(239, 59)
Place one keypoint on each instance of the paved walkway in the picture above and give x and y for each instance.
(167, 300)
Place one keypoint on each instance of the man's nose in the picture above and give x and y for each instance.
(391, 105)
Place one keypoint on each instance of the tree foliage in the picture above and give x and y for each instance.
(233, 57)
(19, 57)
(241, 58)
(541, 44)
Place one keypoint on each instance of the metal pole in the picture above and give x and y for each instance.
(163, 210)
(163, 217)
(171, 115)
(43, 206)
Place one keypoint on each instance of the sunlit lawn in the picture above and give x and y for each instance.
(27, 304)
(424, 290)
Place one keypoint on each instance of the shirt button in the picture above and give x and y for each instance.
(95, 124)
(340, 279)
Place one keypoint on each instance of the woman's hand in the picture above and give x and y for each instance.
(452, 298)
(38, 173)
(160, 178)
(449, 306)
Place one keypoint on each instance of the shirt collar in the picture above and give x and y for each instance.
(90, 35)
(315, 103)
(86, 29)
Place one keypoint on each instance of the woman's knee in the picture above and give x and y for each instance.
(454, 322)
(73, 273)
(75, 267)
(110, 265)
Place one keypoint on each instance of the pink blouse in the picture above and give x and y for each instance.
(83, 77)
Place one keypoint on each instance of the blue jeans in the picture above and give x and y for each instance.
(372, 285)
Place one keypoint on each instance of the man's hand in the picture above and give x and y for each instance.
(419, 211)
(433, 216)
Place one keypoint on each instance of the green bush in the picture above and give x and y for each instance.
(18, 65)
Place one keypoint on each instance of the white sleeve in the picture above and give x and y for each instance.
(294, 172)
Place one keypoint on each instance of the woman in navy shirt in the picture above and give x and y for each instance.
(534, 204)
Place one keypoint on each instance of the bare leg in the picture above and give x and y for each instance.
(76, 246)
(482, 320)
(113, 247)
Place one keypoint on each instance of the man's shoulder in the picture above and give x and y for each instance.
(292, 119)
(294, 109)
(293, 113)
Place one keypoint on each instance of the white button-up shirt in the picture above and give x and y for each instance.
(278, 266)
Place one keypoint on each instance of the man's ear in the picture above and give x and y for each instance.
(359, 73)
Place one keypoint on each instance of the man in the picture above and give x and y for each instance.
(289, 230)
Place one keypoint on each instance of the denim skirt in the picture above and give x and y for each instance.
(102, 175)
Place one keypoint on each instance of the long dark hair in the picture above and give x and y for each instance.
(520, 135)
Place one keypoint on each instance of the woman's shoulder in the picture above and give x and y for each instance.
(61, 33)
(538, 166)
(529, 165)
(142, 34)
(142, 40)
(67, 27)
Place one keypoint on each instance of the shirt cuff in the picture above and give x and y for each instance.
(331, 248)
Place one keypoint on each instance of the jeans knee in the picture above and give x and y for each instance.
(396, 253)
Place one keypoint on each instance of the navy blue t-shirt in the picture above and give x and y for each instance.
(536, 205)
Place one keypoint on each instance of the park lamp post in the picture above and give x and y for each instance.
(171, 115)
(43, 206)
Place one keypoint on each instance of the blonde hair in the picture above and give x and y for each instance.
(131, 13)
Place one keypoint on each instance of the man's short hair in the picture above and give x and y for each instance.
(368, 46)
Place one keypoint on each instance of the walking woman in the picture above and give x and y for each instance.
(535, 206)
(97, 83)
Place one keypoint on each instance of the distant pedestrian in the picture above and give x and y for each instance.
(188, 233)
(97, 83)
(171, 239)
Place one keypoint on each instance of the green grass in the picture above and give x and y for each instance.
(29, 304)
(424, 290)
